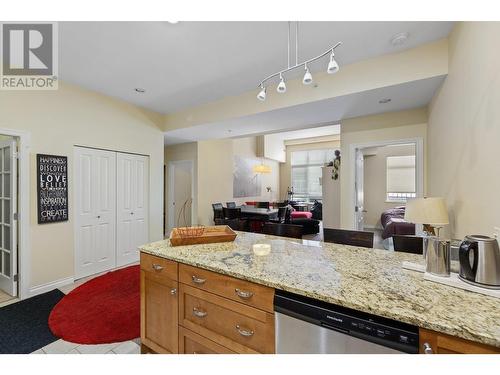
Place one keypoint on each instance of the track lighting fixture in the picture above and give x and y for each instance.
(282, 86)
(262, 93)
(307, 76)
(333, 66)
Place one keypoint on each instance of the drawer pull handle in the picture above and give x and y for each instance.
(427, 348)
(199, 313)
(244, 332)
(173, 291)
(157, 267)
(198, 280)
(243, 293)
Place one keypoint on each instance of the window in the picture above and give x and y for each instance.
(306, 172)
(400, 178)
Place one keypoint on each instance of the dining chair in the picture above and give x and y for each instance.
(262, 205)
(218, 213)
(283, 230)
(348, 237)
(230, 205)
(281, 215)
(408, 244)
(232, 213)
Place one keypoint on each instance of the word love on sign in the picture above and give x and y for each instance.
(52, 173)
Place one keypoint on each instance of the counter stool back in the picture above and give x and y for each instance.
(348, 237)
(408, 244)
(283, 230)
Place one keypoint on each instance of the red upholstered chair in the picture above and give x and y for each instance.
(250, 203)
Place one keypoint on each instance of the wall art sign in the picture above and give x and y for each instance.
(52, 188)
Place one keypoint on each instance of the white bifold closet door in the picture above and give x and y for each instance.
(95, 210)
(132, 206)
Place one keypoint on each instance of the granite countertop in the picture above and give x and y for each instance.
(368, 280)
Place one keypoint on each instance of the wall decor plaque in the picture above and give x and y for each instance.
(52, 188)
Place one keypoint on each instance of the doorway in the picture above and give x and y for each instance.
(180, 193)
(8, 218)
(386, 174)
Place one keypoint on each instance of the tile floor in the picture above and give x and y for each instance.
(4, 298)
(65, 347)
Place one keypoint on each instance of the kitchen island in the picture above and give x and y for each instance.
(367, 280)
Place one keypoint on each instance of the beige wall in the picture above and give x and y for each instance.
(392, 126)
(375, 182)
(184, 151)
(215, 174)
(58, 120)
(286, 168)
(464, 130)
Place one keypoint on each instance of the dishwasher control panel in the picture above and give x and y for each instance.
(366, 327)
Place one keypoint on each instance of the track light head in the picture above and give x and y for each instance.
(307, 76)
(282, 86)
(262, 94)
(333, 66)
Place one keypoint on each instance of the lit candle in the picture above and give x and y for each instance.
(261, 249)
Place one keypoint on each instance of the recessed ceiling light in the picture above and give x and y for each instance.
(139, 90)
(399, 39)
(173, 22)
(385, 100)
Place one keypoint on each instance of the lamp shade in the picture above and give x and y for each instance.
(261, 168)
(430, 211)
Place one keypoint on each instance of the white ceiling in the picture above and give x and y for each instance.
(190, 63)
(414, 94)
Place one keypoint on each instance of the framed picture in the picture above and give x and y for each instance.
(52, 188)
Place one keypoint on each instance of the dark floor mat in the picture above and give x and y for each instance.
(24, 325)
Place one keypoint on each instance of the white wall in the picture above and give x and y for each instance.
(375, 182)
(215, 174)
(58, 120)
(464, 130)
(391, 126)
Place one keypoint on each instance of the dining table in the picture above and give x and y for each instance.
(264, 214)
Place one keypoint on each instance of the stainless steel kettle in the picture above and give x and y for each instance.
(480, 261)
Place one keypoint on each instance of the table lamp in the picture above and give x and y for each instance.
(431, 212)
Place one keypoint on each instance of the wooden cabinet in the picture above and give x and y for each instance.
(258, 296)
(159, 306)
(439, 343)
(190, 310)
(192, 343)
(234, 325)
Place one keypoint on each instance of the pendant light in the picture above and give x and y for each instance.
(307, 80)
(333, 66)
(282, 86)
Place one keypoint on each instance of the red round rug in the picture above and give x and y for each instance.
(101, 311)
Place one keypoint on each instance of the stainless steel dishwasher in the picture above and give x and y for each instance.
(308, 326)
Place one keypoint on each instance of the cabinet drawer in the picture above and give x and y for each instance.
(251, 294)
(440, 343)
(160, 267)
(234, 325)
(192, 343)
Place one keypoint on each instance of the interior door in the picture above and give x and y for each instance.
(132, 206)
(359, 190)
(8, 222)
(95, 191)
(182, 193)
